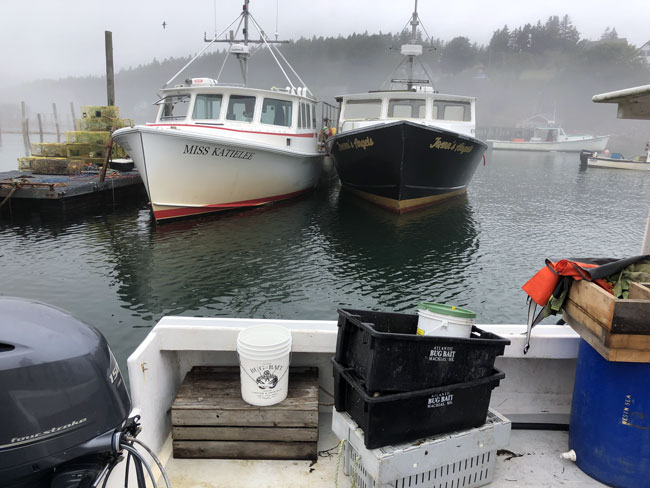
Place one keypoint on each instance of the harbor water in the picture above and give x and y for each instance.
(304, 258)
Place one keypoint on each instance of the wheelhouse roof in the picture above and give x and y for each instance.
(633, 103)
(237, 89)
(403, 94)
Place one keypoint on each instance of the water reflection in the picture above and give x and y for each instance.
(394, 261)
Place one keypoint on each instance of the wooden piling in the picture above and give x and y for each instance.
(25, 127)
(26, 136)
(56, 122)
(40, 127)
(110, 75)
(72, 113)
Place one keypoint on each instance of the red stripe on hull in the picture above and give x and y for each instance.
(187, 211)
(311, 134)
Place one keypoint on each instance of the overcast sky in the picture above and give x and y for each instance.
(57, 38)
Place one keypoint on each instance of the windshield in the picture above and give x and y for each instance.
(362, 109)
(406, 108)
(276, 112)
(207, 107)
(444, 110)
(241, 108)
(175, 107)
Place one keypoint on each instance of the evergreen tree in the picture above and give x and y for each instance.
(609, 35)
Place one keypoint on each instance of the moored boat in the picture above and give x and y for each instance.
(221, 146)
(553, 139)
(618, 163)
(408, 146)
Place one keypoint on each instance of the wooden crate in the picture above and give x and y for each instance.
(210, 419)
(619, 329)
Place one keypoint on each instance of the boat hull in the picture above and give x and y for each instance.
(618, 164)
(403, 166)
(589, 144)
(189, 173)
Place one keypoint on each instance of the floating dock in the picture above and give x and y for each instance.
(20, 190)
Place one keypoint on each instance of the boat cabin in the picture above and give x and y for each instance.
(548, 134)
(202, 102)
(450, 112)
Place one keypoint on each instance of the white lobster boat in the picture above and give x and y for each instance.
(553, 139)
(216, 147)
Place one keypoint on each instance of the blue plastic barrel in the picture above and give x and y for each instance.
(610, 419)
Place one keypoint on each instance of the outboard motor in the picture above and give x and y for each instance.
(585, 155)
(64, 407)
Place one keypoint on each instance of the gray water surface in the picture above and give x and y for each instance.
(303, 259)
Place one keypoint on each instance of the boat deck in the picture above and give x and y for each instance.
(532, 459)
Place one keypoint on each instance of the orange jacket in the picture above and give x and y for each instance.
(540, 287)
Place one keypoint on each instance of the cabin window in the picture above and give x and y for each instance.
(406, 109)
(175, 107)
(207, 107)
(443, 110)
(304, 115)
(276, 112)
(362, 109)
(313, 116)
(300, 122)
(241, 108)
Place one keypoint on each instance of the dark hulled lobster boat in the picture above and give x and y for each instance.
(408, 146)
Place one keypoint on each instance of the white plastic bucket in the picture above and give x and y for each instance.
(264, 356)
(435, 319)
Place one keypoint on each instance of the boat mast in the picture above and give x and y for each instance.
(243, 57)
(414, 34)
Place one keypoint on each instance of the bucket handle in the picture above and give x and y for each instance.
(254, 379)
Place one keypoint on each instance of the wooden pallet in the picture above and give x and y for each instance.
(618, 329)
(210, 419)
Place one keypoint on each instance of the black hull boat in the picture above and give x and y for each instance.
(404, 165)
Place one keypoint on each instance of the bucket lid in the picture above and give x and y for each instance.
(264, 336)
(447, 310)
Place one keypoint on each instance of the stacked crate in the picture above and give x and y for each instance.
(84, 149)
(398, 387)
(211, 420)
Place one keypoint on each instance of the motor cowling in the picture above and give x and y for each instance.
(62, 395)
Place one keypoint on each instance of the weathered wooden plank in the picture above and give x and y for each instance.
(609, 353)
(640, 291)
(295, 434)
(591, 297)
(231, 399)
(574, 313)
(210, 388)
(631, 317)
(211, 397)
(245, 450)
(261, 417)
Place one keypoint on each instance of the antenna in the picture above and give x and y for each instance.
(414, 24)
(277, 11)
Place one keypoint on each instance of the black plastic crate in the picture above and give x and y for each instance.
(404, 417)
(385, 351)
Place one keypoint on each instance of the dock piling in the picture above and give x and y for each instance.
(56, 122)
(72, 113)
(40, 127)
(110, 75)
(24, 125)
